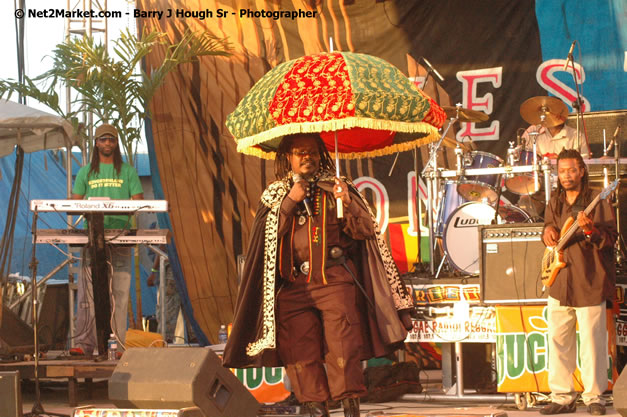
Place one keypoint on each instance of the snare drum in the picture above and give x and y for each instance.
(523, 183)
(450, 201)
(461, 236)
(479, 187)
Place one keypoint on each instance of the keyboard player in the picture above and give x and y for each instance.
(105, 176)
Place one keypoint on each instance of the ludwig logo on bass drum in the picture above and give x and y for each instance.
(466, 222)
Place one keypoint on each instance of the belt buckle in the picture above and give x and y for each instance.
(304, 268)
(336, 252)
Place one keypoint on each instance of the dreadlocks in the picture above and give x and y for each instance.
(585, 191)
(95, 160)
(282, 164)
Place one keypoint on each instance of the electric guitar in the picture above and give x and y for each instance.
(553, 258)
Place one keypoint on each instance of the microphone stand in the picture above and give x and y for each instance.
(38, 409)
(620, 254)
(577, 106)
(424, 86)
(418, 265)
(430, 188)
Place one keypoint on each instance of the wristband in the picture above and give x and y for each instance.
(154, 270)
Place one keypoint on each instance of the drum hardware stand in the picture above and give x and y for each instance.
(546, 170)
(495, 220)
(459, 160)
(620, 254)
(512, 158)
(418, 266)
(534, 150)
(511, 154)
(437, 274)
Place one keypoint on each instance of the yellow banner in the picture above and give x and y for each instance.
(522, 350)
(459, 323)
(266, 384)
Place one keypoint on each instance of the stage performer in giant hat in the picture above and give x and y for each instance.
(316, 289)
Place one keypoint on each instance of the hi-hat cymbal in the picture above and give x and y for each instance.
(465, 115)
(548, 111)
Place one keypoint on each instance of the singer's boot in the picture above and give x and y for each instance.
(316, 408)
(351, 407)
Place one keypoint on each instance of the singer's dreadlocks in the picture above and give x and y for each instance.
(282, 164)
(584, 192)
(95, 160)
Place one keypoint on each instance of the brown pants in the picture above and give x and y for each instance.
(319, 324)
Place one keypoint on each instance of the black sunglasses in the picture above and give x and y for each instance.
(103, 139)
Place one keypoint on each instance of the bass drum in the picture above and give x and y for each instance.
(461, 236)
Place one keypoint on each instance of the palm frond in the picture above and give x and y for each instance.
(113, 88)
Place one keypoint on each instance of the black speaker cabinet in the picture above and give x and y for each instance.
(16, 336)
(174, 378)
(596, 122)
(10, 394)
(620, 393)
(509, 263)
(54, 316)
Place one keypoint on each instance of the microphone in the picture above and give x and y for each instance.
(570, 55)
(431, 69)
(299, 178)
(613, 141)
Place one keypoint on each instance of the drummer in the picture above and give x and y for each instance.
(552, 139)
(549, 142)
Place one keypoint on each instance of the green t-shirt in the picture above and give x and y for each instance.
(107, 183)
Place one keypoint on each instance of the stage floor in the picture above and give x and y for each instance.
(54, 400)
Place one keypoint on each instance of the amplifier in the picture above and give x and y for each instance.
(509, 263)
(596, 123)
(10, 394)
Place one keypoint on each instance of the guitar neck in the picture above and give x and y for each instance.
(574, 227)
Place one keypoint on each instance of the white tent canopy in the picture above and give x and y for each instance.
(32, 129)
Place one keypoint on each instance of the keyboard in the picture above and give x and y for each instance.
(104, 206)
(112, 236)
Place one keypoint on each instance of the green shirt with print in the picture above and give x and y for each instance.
(107, 183)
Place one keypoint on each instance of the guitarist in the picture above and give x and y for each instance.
(582, 289)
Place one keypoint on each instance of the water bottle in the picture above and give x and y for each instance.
(222, 334)
(112, 348)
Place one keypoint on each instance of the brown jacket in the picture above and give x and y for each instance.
(252, 342)
(589, 276)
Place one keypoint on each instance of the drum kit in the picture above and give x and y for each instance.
(461, 200)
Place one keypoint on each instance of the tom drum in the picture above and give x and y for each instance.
(524, 183)
(480, 187)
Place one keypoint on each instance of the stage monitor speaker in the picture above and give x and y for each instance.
(509, 263)
(10, 394)
(174, 378)
(619, 392)
(16, 336)
(596, 122)
(54, 316)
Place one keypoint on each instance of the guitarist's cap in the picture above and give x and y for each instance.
(106, 129)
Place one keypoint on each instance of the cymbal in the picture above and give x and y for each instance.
(465, 115)
(548, 111)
